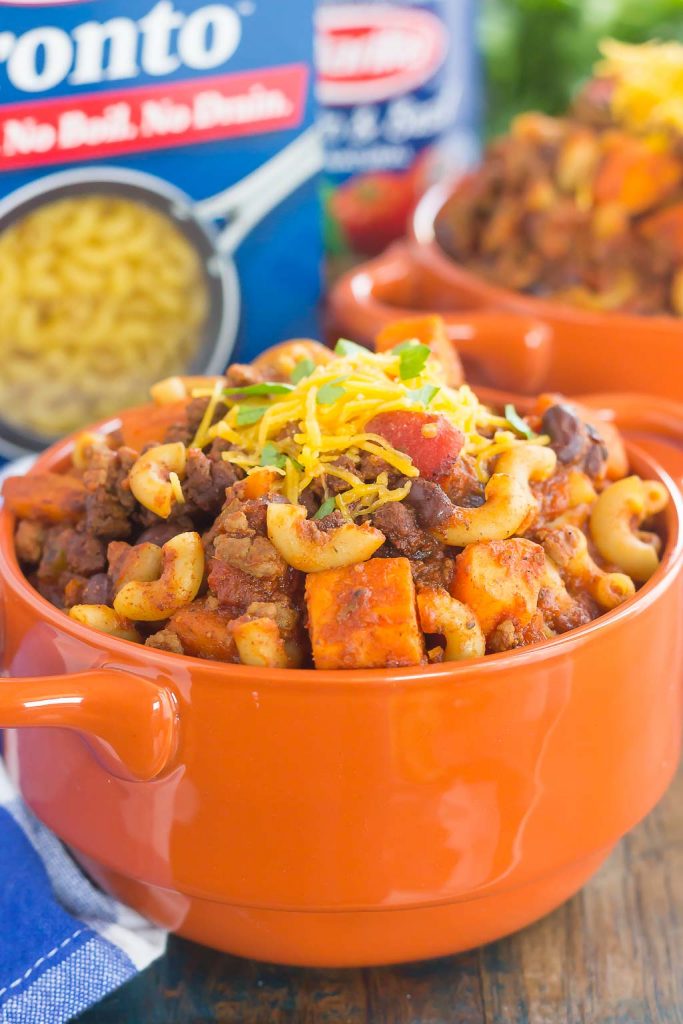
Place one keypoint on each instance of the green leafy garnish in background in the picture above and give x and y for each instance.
(424, 395)
(327, 506)
(248, 414)
(267, 388)
(304, 368)
(519, 425)
(344, 347)
(413, 356)
(331, 391)
(538, 53)
(272, 456)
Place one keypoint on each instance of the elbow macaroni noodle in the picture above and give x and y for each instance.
(100, 297)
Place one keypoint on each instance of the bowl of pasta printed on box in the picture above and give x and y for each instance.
(343, 662)
(573, 221)
(149, 158)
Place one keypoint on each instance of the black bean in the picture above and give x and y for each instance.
(310, 501)
(431, 503)
(595, 458)
(566, 432)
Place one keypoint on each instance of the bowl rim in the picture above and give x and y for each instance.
(423, 236)
(178, 665)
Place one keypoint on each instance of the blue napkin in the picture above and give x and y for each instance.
(63, 943)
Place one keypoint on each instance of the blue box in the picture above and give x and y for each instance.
(146, 147)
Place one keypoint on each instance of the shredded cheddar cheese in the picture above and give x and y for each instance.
(648, 83)
(176, 487)
(201, 437)
(301, 430)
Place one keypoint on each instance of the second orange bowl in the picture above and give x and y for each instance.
(507, 339)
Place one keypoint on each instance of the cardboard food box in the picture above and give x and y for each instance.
(400, 97)
(158, 199)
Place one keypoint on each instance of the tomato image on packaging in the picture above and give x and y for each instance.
(158, 175)
(399, 97)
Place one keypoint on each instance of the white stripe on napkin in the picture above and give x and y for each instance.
(133, 934)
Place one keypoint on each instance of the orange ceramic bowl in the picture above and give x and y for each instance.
(550, 346)
(339, 818)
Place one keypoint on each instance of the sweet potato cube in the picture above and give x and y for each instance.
(364, 616)
(47, 497)
(204, 632)
(260, 483)
(431, 331)
(150, 422)
(499, 579)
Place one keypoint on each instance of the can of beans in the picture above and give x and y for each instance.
(399, 97)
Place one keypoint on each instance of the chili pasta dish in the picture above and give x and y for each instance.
(587, 208)
(342, 509)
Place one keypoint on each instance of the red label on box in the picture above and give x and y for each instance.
(102, 124)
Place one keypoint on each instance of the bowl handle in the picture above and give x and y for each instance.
(131, 723)
(498, 350)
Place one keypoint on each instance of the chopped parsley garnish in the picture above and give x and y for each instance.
(304, 368)
(344, 347)
(272, 456)
(247, 414)
(412, 358)
(267, 388)
(327, 506)
(424, 395)
(519, 425)
(330, 392)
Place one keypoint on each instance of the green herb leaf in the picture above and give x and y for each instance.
(304, 368)
(260, 389)
(519, 425)
(296, 463)
(412, 360)
(247, 414)
(410, 343)
(327, 506)
(330, 392)
(272, 456)
(424, 395)
(344, 347)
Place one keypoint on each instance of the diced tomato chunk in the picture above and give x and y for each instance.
(431, 441)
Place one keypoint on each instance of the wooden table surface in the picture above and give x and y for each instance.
(612, 955)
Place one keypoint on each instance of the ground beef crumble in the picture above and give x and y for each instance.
(165, 640)
(399, 525)
(206, 481)
(109, 503)
(244, 567)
